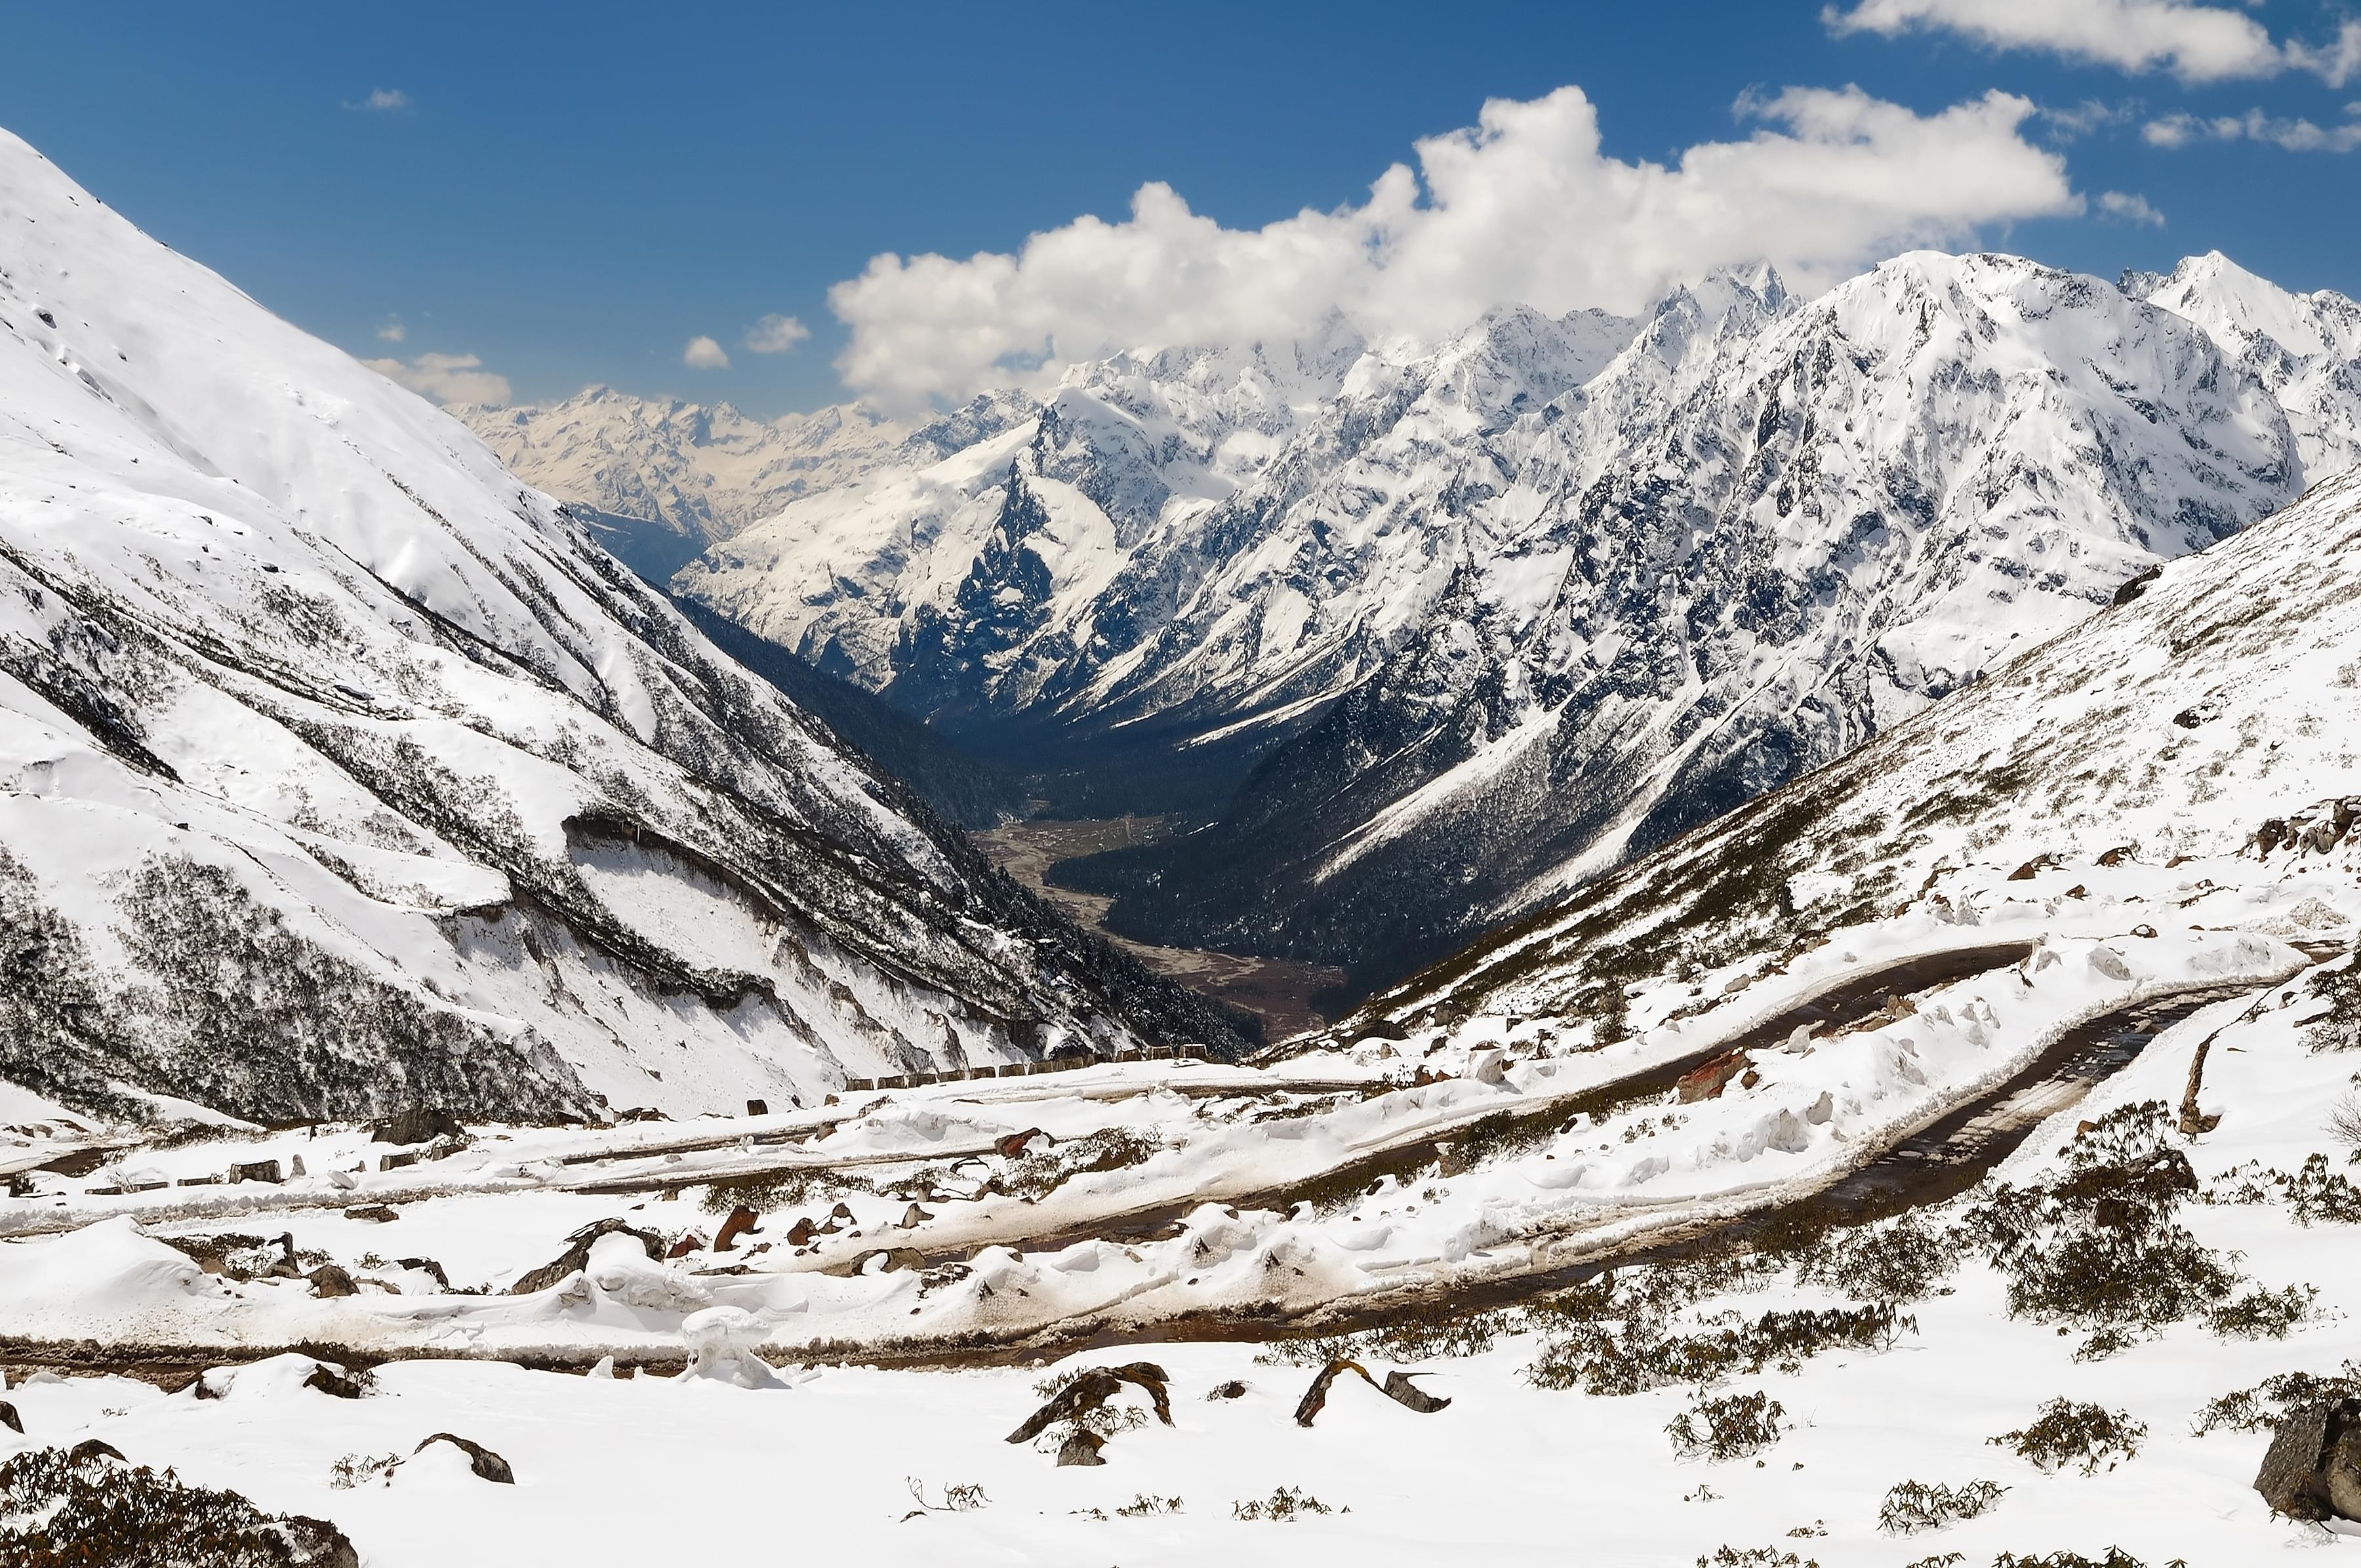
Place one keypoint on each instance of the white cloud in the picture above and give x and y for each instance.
(445, 378)
(392, 332)
(2295, 136)
(704, 354)
(1523, 207)
(383, 100)
(2124, 207)
(775, 334)
(2089, 115)
(2194, 42)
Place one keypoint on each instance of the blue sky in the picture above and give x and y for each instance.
(572, 193)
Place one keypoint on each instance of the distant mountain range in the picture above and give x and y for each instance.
(1426, 640)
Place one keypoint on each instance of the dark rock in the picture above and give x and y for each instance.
(758, 1107)
(803, 1233)
(577, 1253)
(376, 1213)
(1081, 1448)
(315, 1543)
(2134, 587)
(93, 1448)
(333, 1382)
(1091, 1389)
(741, 1222)
(417, 1125)
(690, 1242)
(257, 1170)
(1014, 1144)
(480, 1460)
(2313, 1470)
(328, 1279)
(1397, 1387)
(10, 1419)
(425, 1266)
(1232, 1390)
(1707, 1081)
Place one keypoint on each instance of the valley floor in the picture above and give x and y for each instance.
(1278, 991)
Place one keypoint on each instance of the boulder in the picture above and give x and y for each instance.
(417, 1125)
(330, 1280)
(741, 1222)
(480, 1460)
(333, 1382)
(1707, 1081)
(1091, 1389)
(1081, 1448)
(577, 1255)
(10, 1419)
(2313, 1470)
(375, 1214)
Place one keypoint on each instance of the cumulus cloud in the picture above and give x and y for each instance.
(704, 354)
(1523, 206)
(2194, 42)
(2124, 207)
(775, 334)
(383, 100)
(2294, 135)
(445, 378)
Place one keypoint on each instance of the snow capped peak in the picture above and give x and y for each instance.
(2306, 349)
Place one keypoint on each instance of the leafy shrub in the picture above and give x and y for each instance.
(2097, 1247)
(1143, 1506)
(1042, 1171)
(2068, 1433)
(2263, 1314)
(1912, 1507)
(1285, 1505)
(1755, 1557)
(786, 1190)
(1644, 1355)
(2338, 1028)
(2116, 1557)
(1905, 1260)
(1725, 1429)
(58, 1511)
(362, 1469)
(2267, 1403)
(2316, 1194)
(1945, 1559)
(1416, 1338)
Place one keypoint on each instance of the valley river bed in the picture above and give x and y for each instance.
(1278, 991)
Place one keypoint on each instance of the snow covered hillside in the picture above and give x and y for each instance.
(1998, 1073)
(1500, 616)
(340, 771)
(668, 478)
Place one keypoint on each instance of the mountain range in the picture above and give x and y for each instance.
(1417, 642)
(342, 771)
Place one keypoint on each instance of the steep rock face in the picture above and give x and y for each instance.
(2204, 720)
(1770, 530)
(340, 770)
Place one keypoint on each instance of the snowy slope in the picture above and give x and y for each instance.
(1764, 532)
(669, 478)
(340, 770)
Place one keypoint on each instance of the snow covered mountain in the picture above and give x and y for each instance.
(668, 477)
(1487, 620)
(340, 770)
